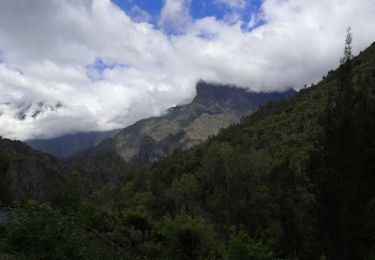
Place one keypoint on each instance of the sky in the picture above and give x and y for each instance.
(70, 66)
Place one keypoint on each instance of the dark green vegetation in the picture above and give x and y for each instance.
(295, 180)
(67, 145)
(29, 174)
(213, 108)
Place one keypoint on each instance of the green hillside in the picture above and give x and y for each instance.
(29, 174)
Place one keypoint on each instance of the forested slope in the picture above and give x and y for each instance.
(29, 174)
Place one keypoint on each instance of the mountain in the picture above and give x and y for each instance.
(294, 180)
(26, 173)
(64, 146)
(214, 107)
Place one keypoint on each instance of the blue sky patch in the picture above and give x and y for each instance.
(199, 9)
(152, 7)
(96, 70)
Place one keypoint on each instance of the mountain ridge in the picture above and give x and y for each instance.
(66, 145)
(26, 173)
(214, 107)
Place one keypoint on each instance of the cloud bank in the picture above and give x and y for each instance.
(82, 65)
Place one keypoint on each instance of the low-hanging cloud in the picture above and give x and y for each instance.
(83, 65)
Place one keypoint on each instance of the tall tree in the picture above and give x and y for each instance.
(339, 169)
(348, 55)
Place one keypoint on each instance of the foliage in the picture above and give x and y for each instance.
(5, 193)
(38, 231)
(187, 237)
(242, 247)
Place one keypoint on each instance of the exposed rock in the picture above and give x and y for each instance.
(214, 107)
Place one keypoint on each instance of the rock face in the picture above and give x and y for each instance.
(213, 108)
(26, 173)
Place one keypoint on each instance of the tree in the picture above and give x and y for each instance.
(341, 165)
(334, 170)
(187, 237)
(184, 192)
(5, 193)
(73, 194)
(241, 246)
(37, 231)
(348, 56)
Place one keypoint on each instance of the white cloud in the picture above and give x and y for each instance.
(175, 16)
(139, 15)
(234, 9)
(47, 49)
(232, 4)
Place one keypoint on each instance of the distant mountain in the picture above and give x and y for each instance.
(26, 173)
(214, 107)
(67, 145)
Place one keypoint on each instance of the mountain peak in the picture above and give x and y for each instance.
(216, 92)
(233, 96)
(214, 107)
